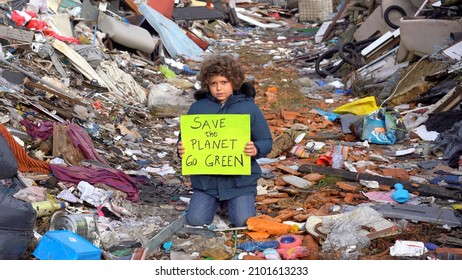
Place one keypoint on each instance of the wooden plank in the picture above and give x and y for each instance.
(72, 99)
(256, 22)
(63, 147)
(264, 18)
(16, 34)
(54, 5)
(59, 91)
(334, 21)
(132, 6)
(287, 169)
(451, 104)
(381, 45)
(423, 189)
(66, 113)
(78, 61)
(25, 100)
(55, 60)
(449, 101)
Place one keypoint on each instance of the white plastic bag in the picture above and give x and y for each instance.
(405, 248)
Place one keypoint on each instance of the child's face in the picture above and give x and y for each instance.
(220, 88)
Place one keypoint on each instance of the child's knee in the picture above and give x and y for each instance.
(239, 221)
(196, 220)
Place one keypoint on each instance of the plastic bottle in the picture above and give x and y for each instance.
(48, 207)
(400, 195)
(300, 151)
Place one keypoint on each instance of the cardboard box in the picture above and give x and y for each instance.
(65, 245)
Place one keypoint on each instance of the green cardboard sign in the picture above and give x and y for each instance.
(214, 144)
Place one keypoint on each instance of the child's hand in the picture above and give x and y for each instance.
(250, 149)
(180, 148)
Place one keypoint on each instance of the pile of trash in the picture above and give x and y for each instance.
(362, 97)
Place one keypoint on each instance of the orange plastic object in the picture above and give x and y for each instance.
(258, 235)
(268, 224)
(97, 105)
(272, 89)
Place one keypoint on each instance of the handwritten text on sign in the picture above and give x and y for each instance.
(214, 144)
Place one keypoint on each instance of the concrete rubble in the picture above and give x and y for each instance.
(363, 99)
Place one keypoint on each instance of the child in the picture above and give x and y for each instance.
(224, 92)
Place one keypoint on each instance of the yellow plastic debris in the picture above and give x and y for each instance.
(363, 106)
(166, 71)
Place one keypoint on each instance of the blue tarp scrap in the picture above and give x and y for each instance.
(173, 37)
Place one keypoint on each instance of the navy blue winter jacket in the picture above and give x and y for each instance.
(225, 187)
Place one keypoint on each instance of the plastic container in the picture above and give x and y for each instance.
(82, 224)
(400, 195)
(48, 207)
(66, 245)
(289, 241)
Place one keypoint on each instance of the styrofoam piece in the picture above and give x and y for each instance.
(297, 181)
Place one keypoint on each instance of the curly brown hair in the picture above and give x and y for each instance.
(221, 65)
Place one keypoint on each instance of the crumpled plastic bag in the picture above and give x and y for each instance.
(447, 145)
(345, 232)
(92, 195)
(380, 127)
(405, 248)
(29, 20)
(252, 246)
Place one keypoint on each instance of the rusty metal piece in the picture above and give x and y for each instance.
(378, 244)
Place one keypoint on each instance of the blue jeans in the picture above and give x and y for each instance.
(202, 209)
